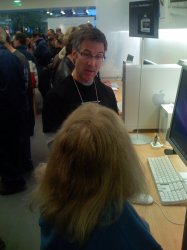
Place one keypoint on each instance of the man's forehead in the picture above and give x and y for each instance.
(92, 45)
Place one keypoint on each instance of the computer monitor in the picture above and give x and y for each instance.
(141, 102)
(177, 134)
(129, 58)
(148, 62)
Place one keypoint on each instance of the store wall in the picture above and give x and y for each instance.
(112, 19)
(172, 42)
(168, 48)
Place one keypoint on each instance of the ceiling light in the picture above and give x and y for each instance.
(17, 3)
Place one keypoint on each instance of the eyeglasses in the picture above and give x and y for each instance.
(89, 56)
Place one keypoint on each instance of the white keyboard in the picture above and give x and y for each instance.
(170, 186)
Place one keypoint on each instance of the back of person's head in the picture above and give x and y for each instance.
(21, 38)
(58, 30)
(91, 34)
(92, 167)
(3, 36)
(69, 40)
(51, 34)
(36, 34)
(86, 25)
(68, 32)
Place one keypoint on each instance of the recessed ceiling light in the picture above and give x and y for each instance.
(17, 3)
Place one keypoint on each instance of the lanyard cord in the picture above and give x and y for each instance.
(81, 95)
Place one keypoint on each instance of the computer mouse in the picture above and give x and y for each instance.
(143, 199)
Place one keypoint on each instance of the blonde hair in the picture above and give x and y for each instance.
(92, 167)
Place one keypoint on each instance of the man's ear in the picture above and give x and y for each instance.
(74, 54)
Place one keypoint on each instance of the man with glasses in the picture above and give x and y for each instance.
(83, 85)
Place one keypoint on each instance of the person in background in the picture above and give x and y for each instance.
(82, 86)
(91, 173)
(51, 39)
(29, 118)
(59, 31)
(20, 43)
(43, 58)
(59, 45)
(66, 64)
(13, 110)
(29, 62)
(59, 57)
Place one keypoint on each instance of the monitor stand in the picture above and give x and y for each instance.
(169, 151)
(139, 139)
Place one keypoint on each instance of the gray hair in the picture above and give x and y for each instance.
(92, 34)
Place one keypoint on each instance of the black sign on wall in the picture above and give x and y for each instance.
(144, 18)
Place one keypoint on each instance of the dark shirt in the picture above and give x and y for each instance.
(42, 53)
(129, 232)
(64, 98)
(29, 119)
(26, 53)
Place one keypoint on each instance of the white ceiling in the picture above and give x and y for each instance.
(34, 4)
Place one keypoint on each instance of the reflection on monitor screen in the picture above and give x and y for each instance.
(177, 135)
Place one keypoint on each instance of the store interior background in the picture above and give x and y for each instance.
(113, 20)
(19, 227)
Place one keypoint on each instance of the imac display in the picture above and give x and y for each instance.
(148, 62)
(177, 134)
(144, 18)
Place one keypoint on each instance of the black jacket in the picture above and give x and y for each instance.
(12, 93)
(64, 69)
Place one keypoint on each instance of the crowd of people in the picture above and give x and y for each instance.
(39, 61)
(92, 172)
